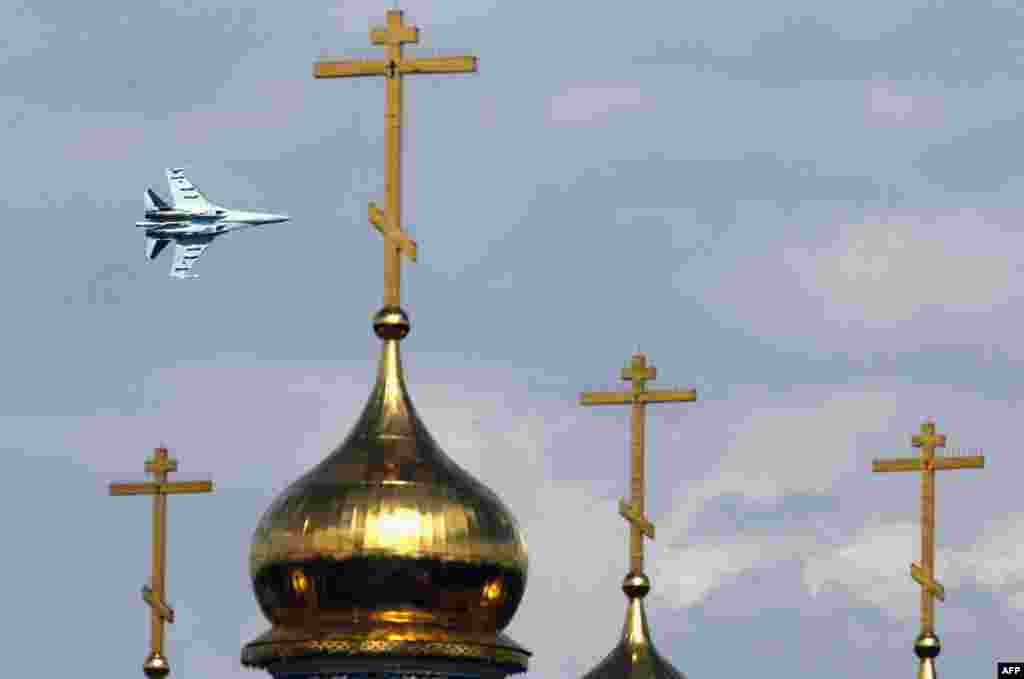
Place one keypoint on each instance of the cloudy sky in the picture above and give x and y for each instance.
(811, 211)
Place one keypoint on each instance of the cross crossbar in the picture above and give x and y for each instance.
(395, 33)
(159, 464)
(916, 464)
(405, 244)
(629, 512)
(928, 438)
(162, 609)
(155, 488)
(922, 578)
(355, 68)
(604, 398)
(639, 372)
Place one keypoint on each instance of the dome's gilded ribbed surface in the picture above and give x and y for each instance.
(387, 547)
(635, 657)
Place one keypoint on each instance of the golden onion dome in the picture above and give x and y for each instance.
(635, 656)
(387, 548)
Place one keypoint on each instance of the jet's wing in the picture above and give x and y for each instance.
(185, 255)
(185, 194)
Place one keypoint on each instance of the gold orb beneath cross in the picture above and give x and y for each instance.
(391, 322)
(156, 666)
(927, 646)
(636, 585)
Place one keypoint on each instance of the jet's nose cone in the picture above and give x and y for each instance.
(276, 219)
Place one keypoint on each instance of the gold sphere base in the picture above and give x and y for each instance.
(391, 322)
(156, 666)
(636, 585)
(927, 645)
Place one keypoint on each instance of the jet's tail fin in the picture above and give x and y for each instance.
(154, 202)
(154, 246)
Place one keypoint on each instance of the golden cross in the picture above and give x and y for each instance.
(928, 464)
(389, 221)
(159, 465)
(637, 372)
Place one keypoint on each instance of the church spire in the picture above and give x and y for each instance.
(635, 656)
(387, 557)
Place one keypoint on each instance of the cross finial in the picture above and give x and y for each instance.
(159, 465)
(637, 372)
(927, 645)
(393, 67)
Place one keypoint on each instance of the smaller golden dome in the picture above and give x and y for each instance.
(635, 656)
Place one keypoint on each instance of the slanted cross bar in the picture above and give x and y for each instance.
(637, 372)
(928, 464)
(159, 466)
(394, 65)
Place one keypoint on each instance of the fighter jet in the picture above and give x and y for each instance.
(192, 222)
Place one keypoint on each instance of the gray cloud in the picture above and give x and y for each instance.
(99, 47)
(976, 160)
(865, 281)
(938, 42)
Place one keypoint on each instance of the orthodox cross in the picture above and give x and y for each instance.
(928, 464)
(637, 372)
(389, 220)
(159, 465)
